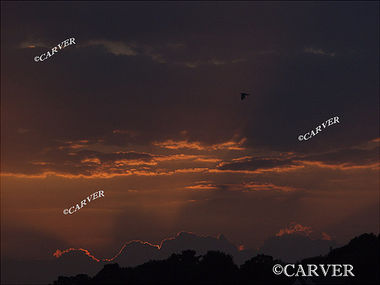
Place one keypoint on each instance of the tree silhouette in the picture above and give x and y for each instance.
(258, 270)
(218, 268)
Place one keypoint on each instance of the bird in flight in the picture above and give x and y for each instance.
(243, 95)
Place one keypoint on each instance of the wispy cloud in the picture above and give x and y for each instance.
(91, 160)
(33, 44)
(318, 51)
(298, 229)
(157, 53)
(253, 186)
(228, 145)
(120, 48)
(79, 158)
(202, 185)
(210, 62)
(295, 228)
(115, 47)
(171, 144)
(249, 163)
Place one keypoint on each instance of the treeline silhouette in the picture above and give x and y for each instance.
(216, 267)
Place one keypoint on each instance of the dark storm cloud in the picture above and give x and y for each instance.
(310, 89)
(355, 156)
(166, 72)
(348, 156)
(255, 163)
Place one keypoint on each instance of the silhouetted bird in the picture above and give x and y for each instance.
(243, 95)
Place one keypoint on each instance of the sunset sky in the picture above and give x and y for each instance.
(146, 107)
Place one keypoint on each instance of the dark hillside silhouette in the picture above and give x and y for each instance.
(293, 248)
(362, 252)
(216, 267)
(259, 270)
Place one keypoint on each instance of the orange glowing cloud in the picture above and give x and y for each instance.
(43, 163)
(295, 228)
(83, 163)
(199, 158)
(207, 186)
(325, 236)
(170, 144)
(91, 160)
(176, 157)
(252, 186)
(110, 173)
(341, 166)
(260, 170)
(229, 145)
(243, 158)
(299, 229)
(191, 170)
(210, 160)
(58, 253)
(74, 145)
(124, 162)
(122, 167)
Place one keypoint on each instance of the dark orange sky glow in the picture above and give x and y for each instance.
(147, 108)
